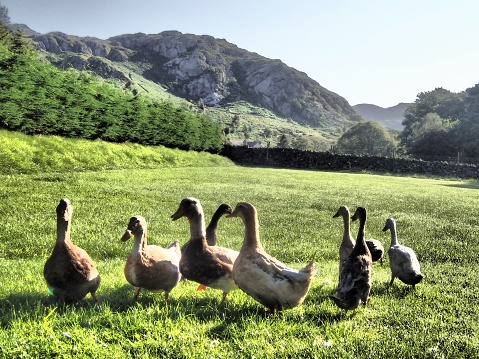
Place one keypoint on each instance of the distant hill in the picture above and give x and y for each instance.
(203, 69)
(390, 117)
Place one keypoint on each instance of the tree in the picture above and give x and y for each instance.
(445, 104)
(284, 141)
(301, 143)
(4, 17)
(366, 138)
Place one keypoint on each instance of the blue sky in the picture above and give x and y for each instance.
(378, 52)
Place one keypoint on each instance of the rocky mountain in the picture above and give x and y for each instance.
(390, 117)
(203, 69)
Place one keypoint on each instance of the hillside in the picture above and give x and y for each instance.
(390, 117)
(204, 71)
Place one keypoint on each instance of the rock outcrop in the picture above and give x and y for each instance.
(204, 68)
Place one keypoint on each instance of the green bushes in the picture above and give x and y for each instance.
(37, 98)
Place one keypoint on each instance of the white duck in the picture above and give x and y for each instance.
(402, 260)
(211, 266)
(148, 266)
(263, 277)
(355, 277)
(69, 271)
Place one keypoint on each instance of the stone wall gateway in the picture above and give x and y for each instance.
(291, 158)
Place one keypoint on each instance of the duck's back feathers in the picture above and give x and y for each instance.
(376, 248)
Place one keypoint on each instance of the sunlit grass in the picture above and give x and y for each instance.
(436, 217)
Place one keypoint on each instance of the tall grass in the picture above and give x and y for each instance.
(20, 153)
(434, 216)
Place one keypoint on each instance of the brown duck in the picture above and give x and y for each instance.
(69, 271)
(355, 277)
(211, 266)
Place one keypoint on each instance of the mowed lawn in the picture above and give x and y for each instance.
(436, 217)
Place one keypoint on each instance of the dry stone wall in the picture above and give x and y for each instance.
(291, 158)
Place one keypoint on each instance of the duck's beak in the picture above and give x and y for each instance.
(128, 234)
(232, 214)
(178, 214)
(385, 228)
(336, 215)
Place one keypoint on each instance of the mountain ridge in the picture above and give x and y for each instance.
(389, 117)
(201, 68)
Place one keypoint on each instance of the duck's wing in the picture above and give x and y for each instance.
(225, 255)
(355, 273)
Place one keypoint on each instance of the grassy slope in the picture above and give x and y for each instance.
(258, 119)
(20, 153)
(295, 212)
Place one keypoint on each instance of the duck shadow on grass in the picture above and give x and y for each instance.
(203, 308)
(396, 291)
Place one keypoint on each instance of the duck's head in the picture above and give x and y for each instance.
(390, 224)
(225, 209)
(242, 210)
(342, 211)
(189, 207)
(136, 226)
(360, 213)
(64, 210)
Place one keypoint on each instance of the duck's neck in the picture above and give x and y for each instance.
(63, 232)
(251, 231)
(347, 229)
(197, 225)
(360, 246)
(140, 242)
(394, 238)
(212, 229)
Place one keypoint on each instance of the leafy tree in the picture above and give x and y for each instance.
(284, 141)
(4, 17)
(301, 143)
(366, 138)
(467, 130)
(445, 104)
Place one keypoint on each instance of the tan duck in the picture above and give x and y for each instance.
(355, 277)
(402, 260)
(375, 247)
(211, 266)
(69, 271)
(263, 277)
(148, 266)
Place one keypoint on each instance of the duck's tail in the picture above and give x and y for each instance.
(310, 269)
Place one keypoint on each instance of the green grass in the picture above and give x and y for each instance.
(437, 217)
(20, 153)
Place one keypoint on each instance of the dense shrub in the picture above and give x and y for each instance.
(37, 98)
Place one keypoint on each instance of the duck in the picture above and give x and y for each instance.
(212, 229)
(263, 277)
(355, 277)
(150, 267)
(402, 260)
(375, 246)
(210, 266)
(69, 271)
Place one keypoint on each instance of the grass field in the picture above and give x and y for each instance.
(437, 217)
